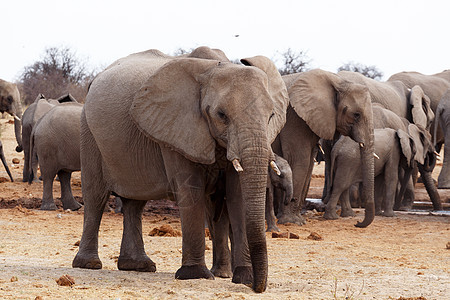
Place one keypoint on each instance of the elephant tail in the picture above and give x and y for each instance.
(33, 163)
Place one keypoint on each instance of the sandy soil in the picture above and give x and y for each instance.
(404, 257)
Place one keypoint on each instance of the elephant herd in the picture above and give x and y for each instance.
(232, 144)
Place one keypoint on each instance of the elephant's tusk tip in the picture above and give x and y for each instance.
(376, 156)
(16, 117)
(321, 149)
(437, 154)
(237, 165)
(361, 145)
(275, 168)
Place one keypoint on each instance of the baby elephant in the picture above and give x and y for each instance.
(394, 149)
(282, 183)
(55, 141)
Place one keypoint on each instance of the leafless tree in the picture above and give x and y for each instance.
(59, 72)
(368, 71)
(294, 62)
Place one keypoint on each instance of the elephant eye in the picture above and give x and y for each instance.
(273, 114)
(222, 116)
(10, 99)
(356, 116)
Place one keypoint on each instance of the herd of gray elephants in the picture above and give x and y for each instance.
(232, 144)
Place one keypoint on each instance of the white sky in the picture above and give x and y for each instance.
(393, 35)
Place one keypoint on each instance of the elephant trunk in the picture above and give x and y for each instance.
(425, 172)
(367, 191)
(18, 126)
(253, 180)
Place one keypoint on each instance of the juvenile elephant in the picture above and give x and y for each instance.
(55, 141)
(10, 103)
(178, 121)
(394, 148)
(31, 115)
(322, 105)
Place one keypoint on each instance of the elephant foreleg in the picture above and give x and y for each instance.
(188, 184)
(132, 254)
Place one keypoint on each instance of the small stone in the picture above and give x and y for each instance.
(14, 279)
(15, 160)
(293, 236)
(448, 245)
(280, 235)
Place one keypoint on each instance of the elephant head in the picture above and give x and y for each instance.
(421, 111)
(10, 103)
(330, 104)
(198, 105)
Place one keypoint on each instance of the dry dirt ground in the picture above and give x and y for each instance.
(404, 257)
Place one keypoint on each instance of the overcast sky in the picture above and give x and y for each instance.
(393, 35)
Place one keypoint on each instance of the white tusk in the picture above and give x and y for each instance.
(16, 117)
(361, 145)
(274, 166)
(376, 156)
(237, 165)
(437, 154)
(320, 148)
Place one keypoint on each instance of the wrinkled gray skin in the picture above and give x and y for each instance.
(322, 105)
(179, 121)
(443, 121)
(55, 140)
(5, 164)
(10, 103)
(283, 184)
(391, 146)
(31, 115)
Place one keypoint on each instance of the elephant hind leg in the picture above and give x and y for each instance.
(132, 254)
(47, 194)
(95, 196)
(66, 191)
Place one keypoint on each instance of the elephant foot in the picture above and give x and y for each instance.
(291, 218)
(243, 275)
(222, 271)
(143, 264)
(193, 272)
(72, 204)
(330, 215)
(378, 213)
(272, 227)
(347, 213)
(48, 206)
(388, 213)
(405, 207)
(86, 262)
(443, 186)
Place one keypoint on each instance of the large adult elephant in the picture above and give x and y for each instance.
(322, 105)
(175, 122)
(434, 86)
(31, 115)
(10, 103)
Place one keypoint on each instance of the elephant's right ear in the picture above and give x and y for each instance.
(313, 94)
(407, 145)
(66, 98)
(167, 109)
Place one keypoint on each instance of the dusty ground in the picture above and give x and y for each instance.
(405, 257)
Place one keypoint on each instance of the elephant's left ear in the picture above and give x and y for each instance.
(277, 90)
(421, 111)
(407, 145)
